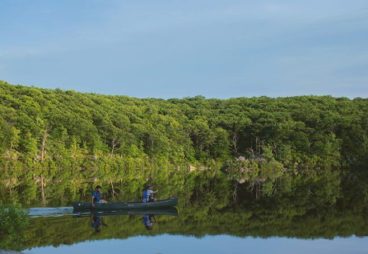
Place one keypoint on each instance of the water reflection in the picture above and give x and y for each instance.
(265, 220)
(50, 211)
(148, 221)
(325, 206)
(219, 244)
(97, 222)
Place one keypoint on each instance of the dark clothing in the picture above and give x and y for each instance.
(96, 196)
(148, 220)
(96, 222)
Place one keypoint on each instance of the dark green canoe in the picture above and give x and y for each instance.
(86, 206)
(168, 211)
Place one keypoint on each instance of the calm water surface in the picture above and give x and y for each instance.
(196, 231)
(211, 244)
(321, 215)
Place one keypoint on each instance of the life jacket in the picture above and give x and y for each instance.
(147, 195)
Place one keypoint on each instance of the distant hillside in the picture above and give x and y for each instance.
(50, 135)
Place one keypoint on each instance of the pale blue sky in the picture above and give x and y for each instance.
(215, 48)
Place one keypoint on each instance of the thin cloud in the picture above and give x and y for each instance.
(204, 46)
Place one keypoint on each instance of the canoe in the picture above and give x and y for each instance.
(168, 211)
(83, 206)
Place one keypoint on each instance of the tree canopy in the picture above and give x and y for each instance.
(56, 143)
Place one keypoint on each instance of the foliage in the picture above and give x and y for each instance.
(56, 145)
(13, 220)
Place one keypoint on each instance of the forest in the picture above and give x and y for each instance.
(56, 145)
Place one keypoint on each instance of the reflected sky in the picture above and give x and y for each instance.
(212, 244)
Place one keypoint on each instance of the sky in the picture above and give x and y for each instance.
(176, 48)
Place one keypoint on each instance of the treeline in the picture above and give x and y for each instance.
(56, 144)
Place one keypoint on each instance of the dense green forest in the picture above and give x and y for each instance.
(55, 145)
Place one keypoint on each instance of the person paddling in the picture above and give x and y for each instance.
(97, 197)
(148, 194)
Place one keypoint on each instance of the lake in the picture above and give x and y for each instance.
(196, 230)
(325, 213)
(211, 244)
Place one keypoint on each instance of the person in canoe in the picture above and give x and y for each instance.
(97, 196)
(148, 194)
